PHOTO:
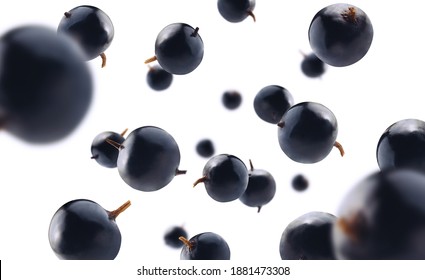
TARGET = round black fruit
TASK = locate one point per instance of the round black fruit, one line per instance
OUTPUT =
(340, 34)
(205, 246)
(45, 85)
(307, 132)
(148, 159)
(205, 148)
(106, 154)
(271, 102)
(236, 10)
(91, 28)
(312, 66)
(299, 182)
(225, 177)
(383, 217)
(231, 99)
(172, 236)
(83, 230)
(260, 190)
(179, 48)
(402, 145)
(158, 79)
(308, 237)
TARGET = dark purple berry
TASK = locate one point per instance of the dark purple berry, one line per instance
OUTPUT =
(83, 230)
(158, 79)
(91, 28)
(340, 34)
(205, 246)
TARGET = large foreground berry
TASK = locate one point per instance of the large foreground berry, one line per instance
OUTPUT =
(383, 217)
(45, 85)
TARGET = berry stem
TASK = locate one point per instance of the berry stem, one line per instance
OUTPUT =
(180, 172)
(103, 56)
(250, 165)
(350, 15)
(186, 242)
(124, 132)
(195, 32)
(117, 145)
(95, 157)
(67, 14)
(200, 180)
(340, 148)
(259, 209)
(251, 14)
(353, 227)
(114, 214)
(149, 60)
(281, 124)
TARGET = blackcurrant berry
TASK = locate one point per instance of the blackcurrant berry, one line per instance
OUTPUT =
(312, 66)
(205, 246)
(260, 190)
(402, 145)
(383, 217)
(46, 87)
(225, 177)
(179, 48)
(300, 183)
(205, 148)
(158, 79)
(148, 159)
(271, 102)
(83, 230)
(105, 153)
(236, 10)
(91, 28)
(308, 237)
(172, 236)
(340, 34)
(307, 132)
(231, 99)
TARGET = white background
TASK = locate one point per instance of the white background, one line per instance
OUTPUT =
(367, 97)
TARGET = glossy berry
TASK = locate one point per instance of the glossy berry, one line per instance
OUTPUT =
(271, 102)
(148, 159)
(307, 132)
(236, 10)
(91, 28)
(225, 177)
(158, 79)
(82, 230)
(402, 145)
(340, 34)
(205, 246)
(312, 66)
(383, 217)
(299, 183)
(260, 190)
(106, 154)
(46, 87)
(172, 235)
(179, 49)
(308, 237)
(205, 148)
(231, 99)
